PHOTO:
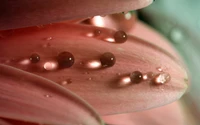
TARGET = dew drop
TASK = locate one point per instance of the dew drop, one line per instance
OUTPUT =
(65, 60)
(148, 75)
(107, 59)
(136, 77)
(47, 45)
(162, 78)
(97, 32)
(120, 37)
(49, 38)
(34, 58)
(65, 82)
(128, 16)
(90, 79)
(118, 73)
(48, 96)
(159, 69)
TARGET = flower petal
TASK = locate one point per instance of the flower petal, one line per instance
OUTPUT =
(23, 13)
(101, 87)
(27, 97)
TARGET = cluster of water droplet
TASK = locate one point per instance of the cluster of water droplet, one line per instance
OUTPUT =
(137, 77)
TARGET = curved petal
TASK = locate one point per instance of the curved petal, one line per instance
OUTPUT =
(27, 97)
(23, 13)
(101, 87)
(171, 114)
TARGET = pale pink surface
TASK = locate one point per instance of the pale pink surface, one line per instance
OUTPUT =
(102, 91)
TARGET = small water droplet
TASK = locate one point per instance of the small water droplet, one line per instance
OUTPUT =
(107, 59)
(47, 45)
(159, 69)
(25, 62)
(162, 78)
(118, 73)
(148, 75)
(34, 58)
(90, 78)
(176, 35)
(120, 37)
(65, 82)
(136, 77)
(86, 73)
(49, 38)
(97, 32)
(65, 60)
(48, 96)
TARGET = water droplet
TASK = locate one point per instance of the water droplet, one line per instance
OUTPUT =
(118, 73)
(24, 62)
(86, 73)
(90, 78)
(162, 78)
(97, 32)
(159, 69)
(50, 66)
(120, 37)
(125, 12)
(47, 45)
(49, 38)
(136, 77)
(111, 40)
(34, 58)
(68, 81)
(148, 75)
(65, 60)
(48, 96)
(107, 59)
(176, 35)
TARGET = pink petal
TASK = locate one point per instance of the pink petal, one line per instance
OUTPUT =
(171, 114)
(100, 87)
(23, 13)
(27, 97)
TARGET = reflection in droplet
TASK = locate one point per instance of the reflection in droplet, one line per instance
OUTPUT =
(50, 65)
(99, 22)
(25, 62)
(128, 16)
(176, 35)
(111, 40)
(124, 81)
(89, 34)
(94, 64)
(162, 78)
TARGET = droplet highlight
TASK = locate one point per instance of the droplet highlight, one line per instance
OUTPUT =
(120, 37)
(49, 66)
(107, 59)
(65, 60)
(34, 58)
(136, 77)
(162, 78)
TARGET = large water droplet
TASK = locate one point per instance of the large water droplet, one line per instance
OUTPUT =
(34, 58)
(107, 59)
(97, 32)
(120, 37)
(136, 77)
(65, 60)
(162, 78)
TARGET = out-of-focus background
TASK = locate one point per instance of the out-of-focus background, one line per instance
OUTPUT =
(179, 21)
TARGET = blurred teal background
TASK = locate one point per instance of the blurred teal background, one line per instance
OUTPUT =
(179, 21)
